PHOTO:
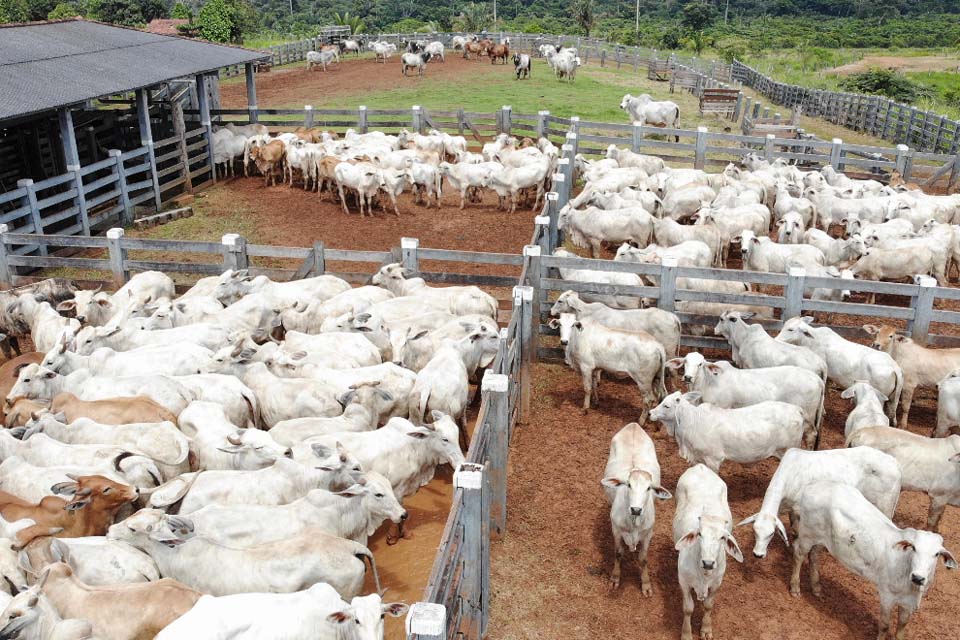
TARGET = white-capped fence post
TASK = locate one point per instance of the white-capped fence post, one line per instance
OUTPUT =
(700, 148)
(362, 118)
(426, 621)
(408, 251)
(6, 275)
(901, 160)
(234, 252)
(495, 388)
(668, 284)
(768, 147)
(637, 137)
(416, 121)
(506, 118)
(543, 232)
(531, 257)
(923, 309)
(203, 101)
(559, 187)
(118, 256)
(793, 293)
(470, 479)
(553, 212)
(543, 120)
(836, 146)
(31, 200)
(573, 141)
(523, 304)
(252, 112)
(308, 116)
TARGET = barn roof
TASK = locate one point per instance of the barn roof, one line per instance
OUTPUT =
(49, 65)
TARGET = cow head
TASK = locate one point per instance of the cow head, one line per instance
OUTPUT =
(765, 526)
(797, 331)
(635, 492)
(883, 336)
(35, 382)
(254, 449)
(924, 549)
(567, 324)
(96, 493)
(728, 319)
(714, 541)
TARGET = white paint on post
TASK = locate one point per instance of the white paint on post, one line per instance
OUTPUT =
(426, 619)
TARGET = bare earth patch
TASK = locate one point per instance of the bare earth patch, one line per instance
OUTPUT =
(918, 63)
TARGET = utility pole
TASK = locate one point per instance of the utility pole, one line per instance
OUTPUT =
(494, 14)
(726, 12)
(638, 17)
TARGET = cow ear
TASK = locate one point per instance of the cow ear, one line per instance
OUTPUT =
(872, 329)
(395, 609)
(904, 545)
(713, 369)
(948, 560)
(612, 483)
(686, 541)
(554, 323)
(733, 549)
(748, 520)
(67, 305)
(807, 319)
(65, 488)
(339, 617)
(661, 494)
(674, 364)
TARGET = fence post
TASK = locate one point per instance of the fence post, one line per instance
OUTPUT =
(542, 120)
(522, 304)
(768, 147)
(308, 116)
(553, 212)
(426, 621)
(793, 293)
(180, 131)
(544, 223)
(736, 110)
(923, 309)
(469, 478)
(901, 160)
(126, 216)
(362, 118)
(6, 277)
(204, 103)
(700, 149)
(668, 284)
(31, 198)
(146, 140)
(836, 146)
(416, 121)
(531, 256)
(559, 186)
(575, 129)
(637, 137)
(253, 115)
(408, 249)
(118, 256)
(319, 259)
(506, 120)
(495, 387)
(234, 247)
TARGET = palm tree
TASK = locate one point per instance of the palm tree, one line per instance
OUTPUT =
(474, 17)
(583, 14)
(345, 19)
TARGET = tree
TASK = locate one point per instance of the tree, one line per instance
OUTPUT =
(583, 14)
(65, 10)
(345, 19)
(14, 11)
(474, 17)
(226, 20)
(697, 16)
(885, 82)
(181, 12)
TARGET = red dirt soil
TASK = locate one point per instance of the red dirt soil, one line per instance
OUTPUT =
(550, 573)
(297, 85)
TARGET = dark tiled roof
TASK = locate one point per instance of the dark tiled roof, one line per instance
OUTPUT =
(48, 65)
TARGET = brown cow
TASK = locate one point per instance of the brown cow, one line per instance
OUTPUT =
(111, 410)
(90, 512)
(501, 51)
(308, 135)
(123, 612)
(269, 159)
(23, 411)
(11, 369)
(478, 48)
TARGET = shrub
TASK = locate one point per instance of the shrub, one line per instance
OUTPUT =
(885, 82)
(181, 12)
(64, 10)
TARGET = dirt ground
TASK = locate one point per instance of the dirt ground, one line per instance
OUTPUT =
(295, 84)
(550, 574)
(908, 63)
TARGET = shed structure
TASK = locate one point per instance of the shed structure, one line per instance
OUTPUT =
(92, 125)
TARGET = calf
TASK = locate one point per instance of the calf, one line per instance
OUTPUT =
(922, 367)
(592, 227)
(364, 178)
(753, 347)
(948, 404)
(724, 386)
(631, 481)
(590, 347)
(269, 160)
(703, 534)
(875, 474)
(711, 435)
(928, 464)
(868, 411)
(122, 612)
(521, 63)
(763, 254)
(94, 504)
(111, 411)
(499, 52)
(416, 61)
(848, 362)
(901, 562)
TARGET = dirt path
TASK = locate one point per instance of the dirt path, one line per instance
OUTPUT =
(550, 572)
(295, 85)
(910, 63)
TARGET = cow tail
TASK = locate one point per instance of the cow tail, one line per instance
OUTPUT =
(660, 380)
(818, 418)
(365, 554)
(895, 400)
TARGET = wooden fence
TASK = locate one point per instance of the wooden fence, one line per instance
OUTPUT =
(875, 115)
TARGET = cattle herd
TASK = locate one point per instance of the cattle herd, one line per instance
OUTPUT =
(770, 401)
(211, 465)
